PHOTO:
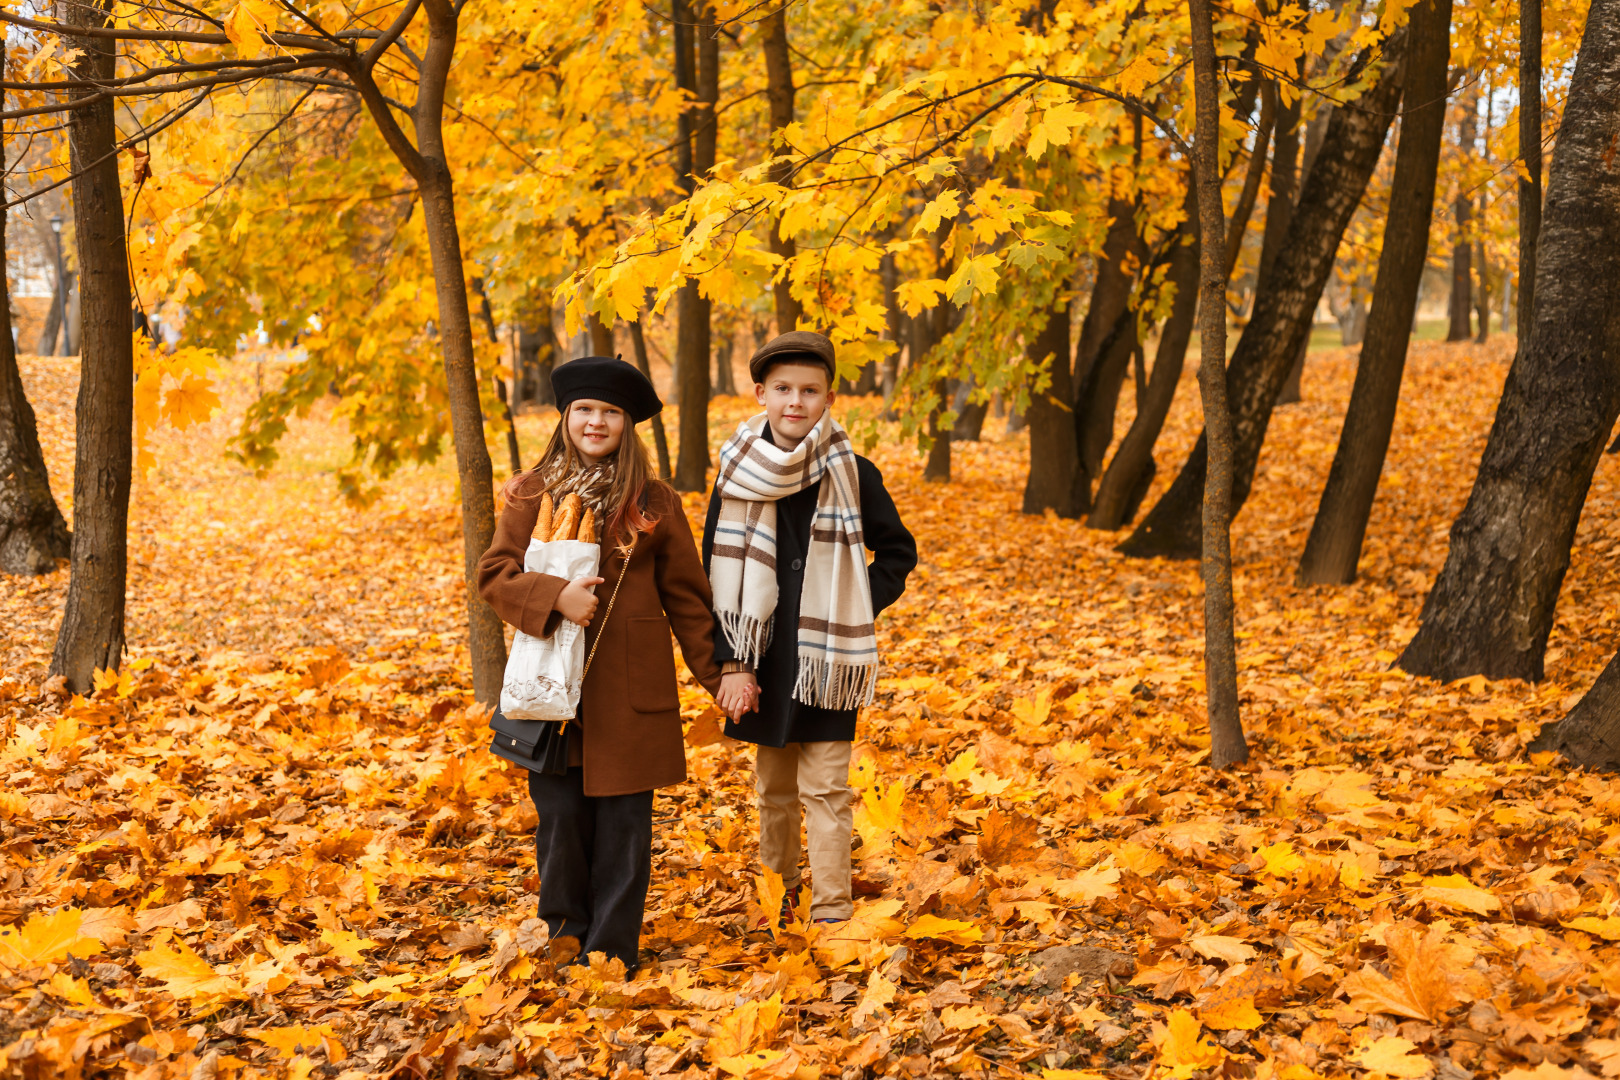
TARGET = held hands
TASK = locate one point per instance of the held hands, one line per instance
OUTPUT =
(739, 694)
(576, 602)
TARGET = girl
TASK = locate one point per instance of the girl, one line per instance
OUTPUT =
(593, 846)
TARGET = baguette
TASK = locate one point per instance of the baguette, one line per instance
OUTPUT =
(542, 527)
(567, 524)
(587, 527)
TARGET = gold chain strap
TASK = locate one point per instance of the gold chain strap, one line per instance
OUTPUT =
(609, 611)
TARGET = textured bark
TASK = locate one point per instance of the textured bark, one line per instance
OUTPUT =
(33, 534)
(1110, 291)
(92, 631)
(1098, 400)
(1461, 308)
(1334, 546)
(1252, 175)
(638, 343)
(601, 336)
(693, 311)
(895, 323)
(1530, 155)
(537, 350)
(779, 92)
(1482, 296)
(486, 313)
(1589, 734)
(1279, 213)
(51, 332)
(1054, 481)
(1492, 606)
(1281, 323)
(1227, 745)
(486, 635)
(1123, 485)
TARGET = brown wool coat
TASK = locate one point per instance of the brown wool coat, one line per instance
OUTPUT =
(629, 708)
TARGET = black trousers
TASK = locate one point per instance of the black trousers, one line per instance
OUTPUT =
(594, 855)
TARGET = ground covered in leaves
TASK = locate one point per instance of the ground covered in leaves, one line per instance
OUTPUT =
(275, 845)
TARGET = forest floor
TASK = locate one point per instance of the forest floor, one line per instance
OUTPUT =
(275, 844)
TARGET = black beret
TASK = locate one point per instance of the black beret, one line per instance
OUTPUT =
(609, 379)
(795, 346)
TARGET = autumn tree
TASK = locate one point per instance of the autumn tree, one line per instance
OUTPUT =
(1227, 744)
(1491, 607)
(1334, 546)
(1284, 303)
(33, 534)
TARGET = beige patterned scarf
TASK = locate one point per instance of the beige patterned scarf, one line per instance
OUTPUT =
(838, 659)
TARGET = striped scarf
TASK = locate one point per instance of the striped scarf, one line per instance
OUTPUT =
(838, 659)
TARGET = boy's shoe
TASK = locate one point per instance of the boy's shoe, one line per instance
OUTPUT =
(790, 900)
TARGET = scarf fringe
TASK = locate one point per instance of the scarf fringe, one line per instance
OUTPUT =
(748, 637)
(831, 684)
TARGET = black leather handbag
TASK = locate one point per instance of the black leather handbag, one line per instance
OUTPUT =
(542, 745)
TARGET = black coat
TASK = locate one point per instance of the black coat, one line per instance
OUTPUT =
(779, 719)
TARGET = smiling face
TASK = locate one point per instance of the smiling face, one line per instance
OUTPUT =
(794, 396)
(595, 428)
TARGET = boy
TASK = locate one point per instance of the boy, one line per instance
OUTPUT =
(792, 507)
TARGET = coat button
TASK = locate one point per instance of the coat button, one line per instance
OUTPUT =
(798, 564)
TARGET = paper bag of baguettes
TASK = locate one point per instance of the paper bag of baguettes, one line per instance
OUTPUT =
(543, 674)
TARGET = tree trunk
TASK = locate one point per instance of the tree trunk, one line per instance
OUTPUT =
(537, 349)
(970, 414)
(1283, 310)
(779, 92)
(601, 336)
(1125, 483)
(1530, 155)
(429, 166)
(72, 343)
(692, 341)
(92, 631)
(1334, 546)
(638, 343)
(1589, 734)
(1279, 213)
(487, 314)
(1098, 399)
(33, 534)
(474, 473)
(52, 329)
(1492, 607)
(1054, 481)
(1461, 308)
(1227, 745)
(889, 274)
(937, 469)
(1482, 303)
(1110, 293)
(1251, 178)
(725, 380)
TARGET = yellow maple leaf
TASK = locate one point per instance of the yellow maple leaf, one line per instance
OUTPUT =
(1392, 1056)
(1184, 1049)
(957, 931)
(1238, 1013)
(185, 974)
(1608, 929)
(46, 939)
(292, 1041)
(1221, 947)
(192, 402)
(1456, 893)
(347, 945)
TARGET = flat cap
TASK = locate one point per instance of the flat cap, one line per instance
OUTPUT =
(609, 379)
(795, 346)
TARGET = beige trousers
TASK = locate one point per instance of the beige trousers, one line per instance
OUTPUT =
(815, 775)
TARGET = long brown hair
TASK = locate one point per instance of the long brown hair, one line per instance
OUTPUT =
(624, 504)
